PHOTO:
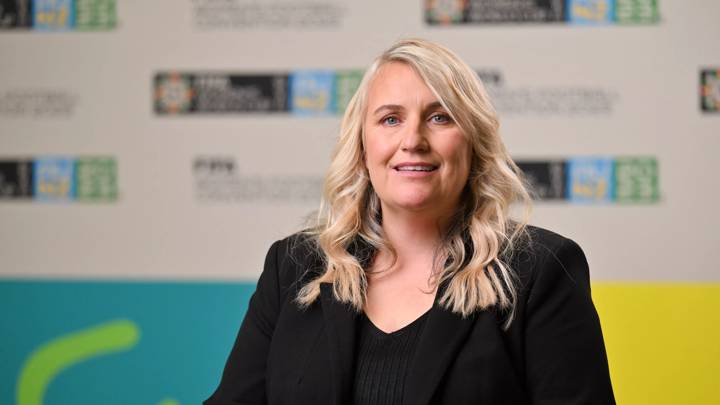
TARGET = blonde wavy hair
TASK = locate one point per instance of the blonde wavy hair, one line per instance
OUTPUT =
(481, 234)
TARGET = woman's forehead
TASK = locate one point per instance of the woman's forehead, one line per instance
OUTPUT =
(397, 83)
(395, 72)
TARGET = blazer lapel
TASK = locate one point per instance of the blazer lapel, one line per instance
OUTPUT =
(340, 325)
(444, 334)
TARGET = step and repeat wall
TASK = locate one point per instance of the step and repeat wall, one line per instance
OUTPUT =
(151, 151)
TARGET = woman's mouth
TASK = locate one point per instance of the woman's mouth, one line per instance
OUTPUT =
(415, 167)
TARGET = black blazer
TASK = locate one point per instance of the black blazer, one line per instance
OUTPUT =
(553, 353)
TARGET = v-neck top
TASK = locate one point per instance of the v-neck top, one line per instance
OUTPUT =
(383, 360)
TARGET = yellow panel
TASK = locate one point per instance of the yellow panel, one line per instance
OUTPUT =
(663, 341)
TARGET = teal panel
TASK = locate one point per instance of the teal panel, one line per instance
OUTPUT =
(116, 342)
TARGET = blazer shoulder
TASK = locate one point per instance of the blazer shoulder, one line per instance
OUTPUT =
(544, 238)
(544, 253)
(298, 259)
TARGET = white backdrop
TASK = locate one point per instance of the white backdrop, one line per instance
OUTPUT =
(158, 229)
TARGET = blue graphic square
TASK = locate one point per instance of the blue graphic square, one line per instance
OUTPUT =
(590, 180)
(53, 15)
(590, 12)
(312, 92)
(54, 179)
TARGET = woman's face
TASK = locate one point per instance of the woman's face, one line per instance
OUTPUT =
(417, 157)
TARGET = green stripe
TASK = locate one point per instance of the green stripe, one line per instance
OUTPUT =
(52, 358)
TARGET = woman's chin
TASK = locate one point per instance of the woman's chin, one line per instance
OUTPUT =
(414, 205)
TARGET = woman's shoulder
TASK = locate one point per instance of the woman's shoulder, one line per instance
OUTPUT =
(298, 244)
(542, 253)
(296, 257)
(545, 239)
(536, 242)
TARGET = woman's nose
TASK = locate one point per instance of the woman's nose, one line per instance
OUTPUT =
(415, 138)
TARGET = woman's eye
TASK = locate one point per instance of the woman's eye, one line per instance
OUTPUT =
(440, 118)
(391, 120)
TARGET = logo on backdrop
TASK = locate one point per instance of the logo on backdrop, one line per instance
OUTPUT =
(59, 179)
(346, 83)
(325, 92)
(95, 179)
(37, 103)
(53, 15)
(173, 93)
(304, 93)
(493, 11)
(223, 93)
(54, 179)
(16, 179)
(547, 179)
(95, 14)
(179, 93)
(546, 100)
(636, 11)
(446, 11)
(590, 180)
(612, 11)
(490, 77)
(276, 14)
(443, 12)
(636, 179)
(312, 92)
(58, 15)
(591, 11)
(217, 179)
(586, 179)
(15, 14)
(710, 90)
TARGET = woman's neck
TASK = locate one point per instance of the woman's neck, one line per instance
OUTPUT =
(414, 236)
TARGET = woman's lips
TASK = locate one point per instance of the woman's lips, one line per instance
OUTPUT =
(415, 169)
(415, 166)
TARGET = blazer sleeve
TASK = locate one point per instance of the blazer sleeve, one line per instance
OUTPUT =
(243, 379)
(565, 353)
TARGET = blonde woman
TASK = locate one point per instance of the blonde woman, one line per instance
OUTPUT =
(414, 286)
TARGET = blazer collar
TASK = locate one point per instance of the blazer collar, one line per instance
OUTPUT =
(442, 338)
(340, 321)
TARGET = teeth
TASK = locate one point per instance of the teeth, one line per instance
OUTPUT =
(416, 168)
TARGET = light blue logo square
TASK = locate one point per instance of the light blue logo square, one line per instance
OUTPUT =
(590, 180)
(53, 15)
(54, 179)
(312, 92)
(590, 12)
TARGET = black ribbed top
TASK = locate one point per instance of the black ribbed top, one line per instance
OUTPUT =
(383, 360)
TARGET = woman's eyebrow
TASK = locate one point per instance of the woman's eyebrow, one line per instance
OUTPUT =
(391, 107)
(396, 107)
(433, 106)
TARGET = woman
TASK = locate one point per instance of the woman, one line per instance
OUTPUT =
(415, 286)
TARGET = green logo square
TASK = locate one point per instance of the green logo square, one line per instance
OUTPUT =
(637, 11)
(95, 14)
(636, 180)
(346, 83)
(96, 179)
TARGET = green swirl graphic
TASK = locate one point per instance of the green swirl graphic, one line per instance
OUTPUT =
(52, 358)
